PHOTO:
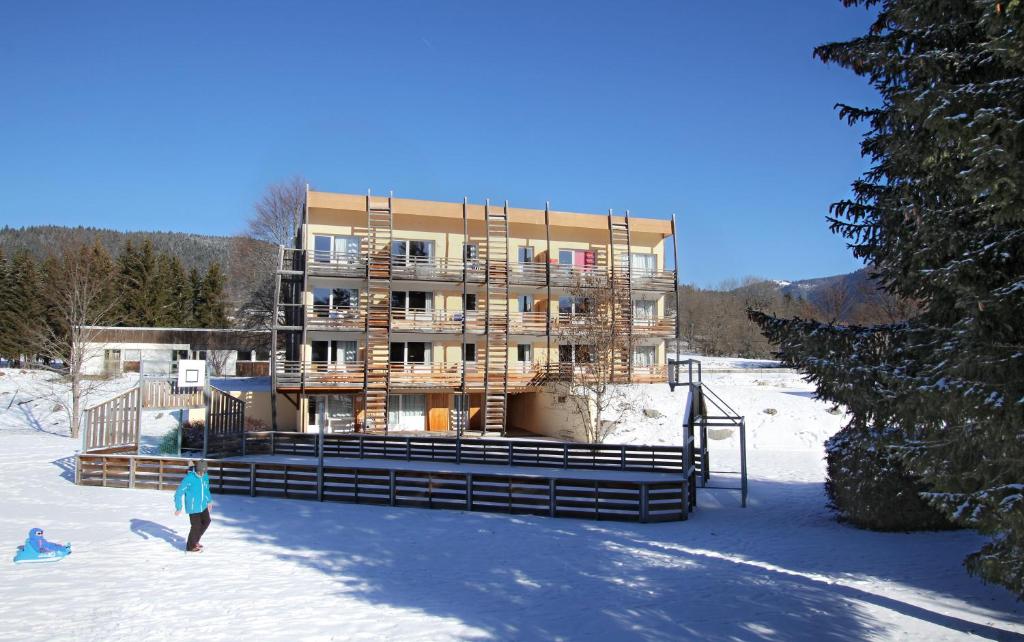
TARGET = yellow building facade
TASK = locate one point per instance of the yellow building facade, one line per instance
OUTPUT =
(408, 315)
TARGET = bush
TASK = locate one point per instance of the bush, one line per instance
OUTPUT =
(253, 424)
(192, 435)
(169, 443)
(869, 487)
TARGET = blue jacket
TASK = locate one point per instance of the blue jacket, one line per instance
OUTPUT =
(196, 492)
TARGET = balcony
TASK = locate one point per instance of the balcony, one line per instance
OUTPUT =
(335, 375)
(338, 264)
(415, 268)
(652, 280)
(527, 273)
(349, 376)
(442, 321)
(535, 323)
(325, 317)
(587, 276)
(654, 326)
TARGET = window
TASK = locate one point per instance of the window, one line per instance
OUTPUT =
(409, 352)
(470, 302)
(524, 353)
(411, 252)
(580, 258)
(470, 251)
(322, 248)
(575, 354)
(333, 352)
(573, 305)
(408, 412)
(470, 349)
(644, 356)
(335, 249)
(526, 303)
(525, 254)
(341, 414)
(327, 301)
(643, 264)
(412, 301)
(643, 311)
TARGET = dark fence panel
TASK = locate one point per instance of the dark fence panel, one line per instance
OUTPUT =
(499, 452)
(623, 500)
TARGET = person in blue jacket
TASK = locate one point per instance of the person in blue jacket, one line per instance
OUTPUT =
(195, 490)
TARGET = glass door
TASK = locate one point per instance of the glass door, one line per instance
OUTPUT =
(408, 412)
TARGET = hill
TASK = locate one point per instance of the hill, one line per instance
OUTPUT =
(194, 250)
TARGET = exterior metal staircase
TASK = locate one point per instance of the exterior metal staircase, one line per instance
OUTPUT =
(496, 356)
(378, 315)
(622, 297)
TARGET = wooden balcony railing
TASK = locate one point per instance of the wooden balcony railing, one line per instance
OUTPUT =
(326, 317)
(336, 264)
(528, 323)
(578, 275)
(450, 269)
(342, 375)
(445, 321)
(653, 280)
(527, 273)
(411, 375)
(349, 376)
(415, 268)
(654, 326)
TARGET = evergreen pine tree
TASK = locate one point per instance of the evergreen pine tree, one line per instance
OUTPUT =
(177, 292)
(128, 279)
(25, 311)
(212, 303)
(6, 310)
(940, 216)
(195, 291)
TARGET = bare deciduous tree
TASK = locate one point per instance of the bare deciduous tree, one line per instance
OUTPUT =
(80, 299)
(588, 348)
(277, 215)
(275, 221)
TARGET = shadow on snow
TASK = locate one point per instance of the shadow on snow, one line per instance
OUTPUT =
(766, 572)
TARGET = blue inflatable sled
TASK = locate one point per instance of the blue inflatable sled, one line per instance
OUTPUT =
(37, 549)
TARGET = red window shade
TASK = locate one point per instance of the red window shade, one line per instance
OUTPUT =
(589, 258)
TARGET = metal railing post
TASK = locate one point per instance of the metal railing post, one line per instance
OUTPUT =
(743, 463)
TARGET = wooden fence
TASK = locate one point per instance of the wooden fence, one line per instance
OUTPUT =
(547, 495)
(163, 393)
(501, 452)
(225, 419)
(113, 426)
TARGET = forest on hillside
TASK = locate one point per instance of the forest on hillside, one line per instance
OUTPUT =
(714, 322)
(139, 287)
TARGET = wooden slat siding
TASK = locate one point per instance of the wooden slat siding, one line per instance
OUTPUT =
(519, 494)
(160, 393)
(113, 425)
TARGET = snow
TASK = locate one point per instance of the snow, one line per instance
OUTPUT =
(781, 569)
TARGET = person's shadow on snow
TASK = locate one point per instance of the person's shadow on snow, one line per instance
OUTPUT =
(147, 529)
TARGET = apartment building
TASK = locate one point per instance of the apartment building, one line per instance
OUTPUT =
(408, 315)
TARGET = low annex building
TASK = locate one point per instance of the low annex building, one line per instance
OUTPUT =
(230, 352)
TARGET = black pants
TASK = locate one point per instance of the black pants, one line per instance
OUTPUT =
(200, 522)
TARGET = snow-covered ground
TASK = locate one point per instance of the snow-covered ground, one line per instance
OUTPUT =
(781, 569)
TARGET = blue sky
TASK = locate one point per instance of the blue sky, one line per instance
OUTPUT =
(176, 115)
